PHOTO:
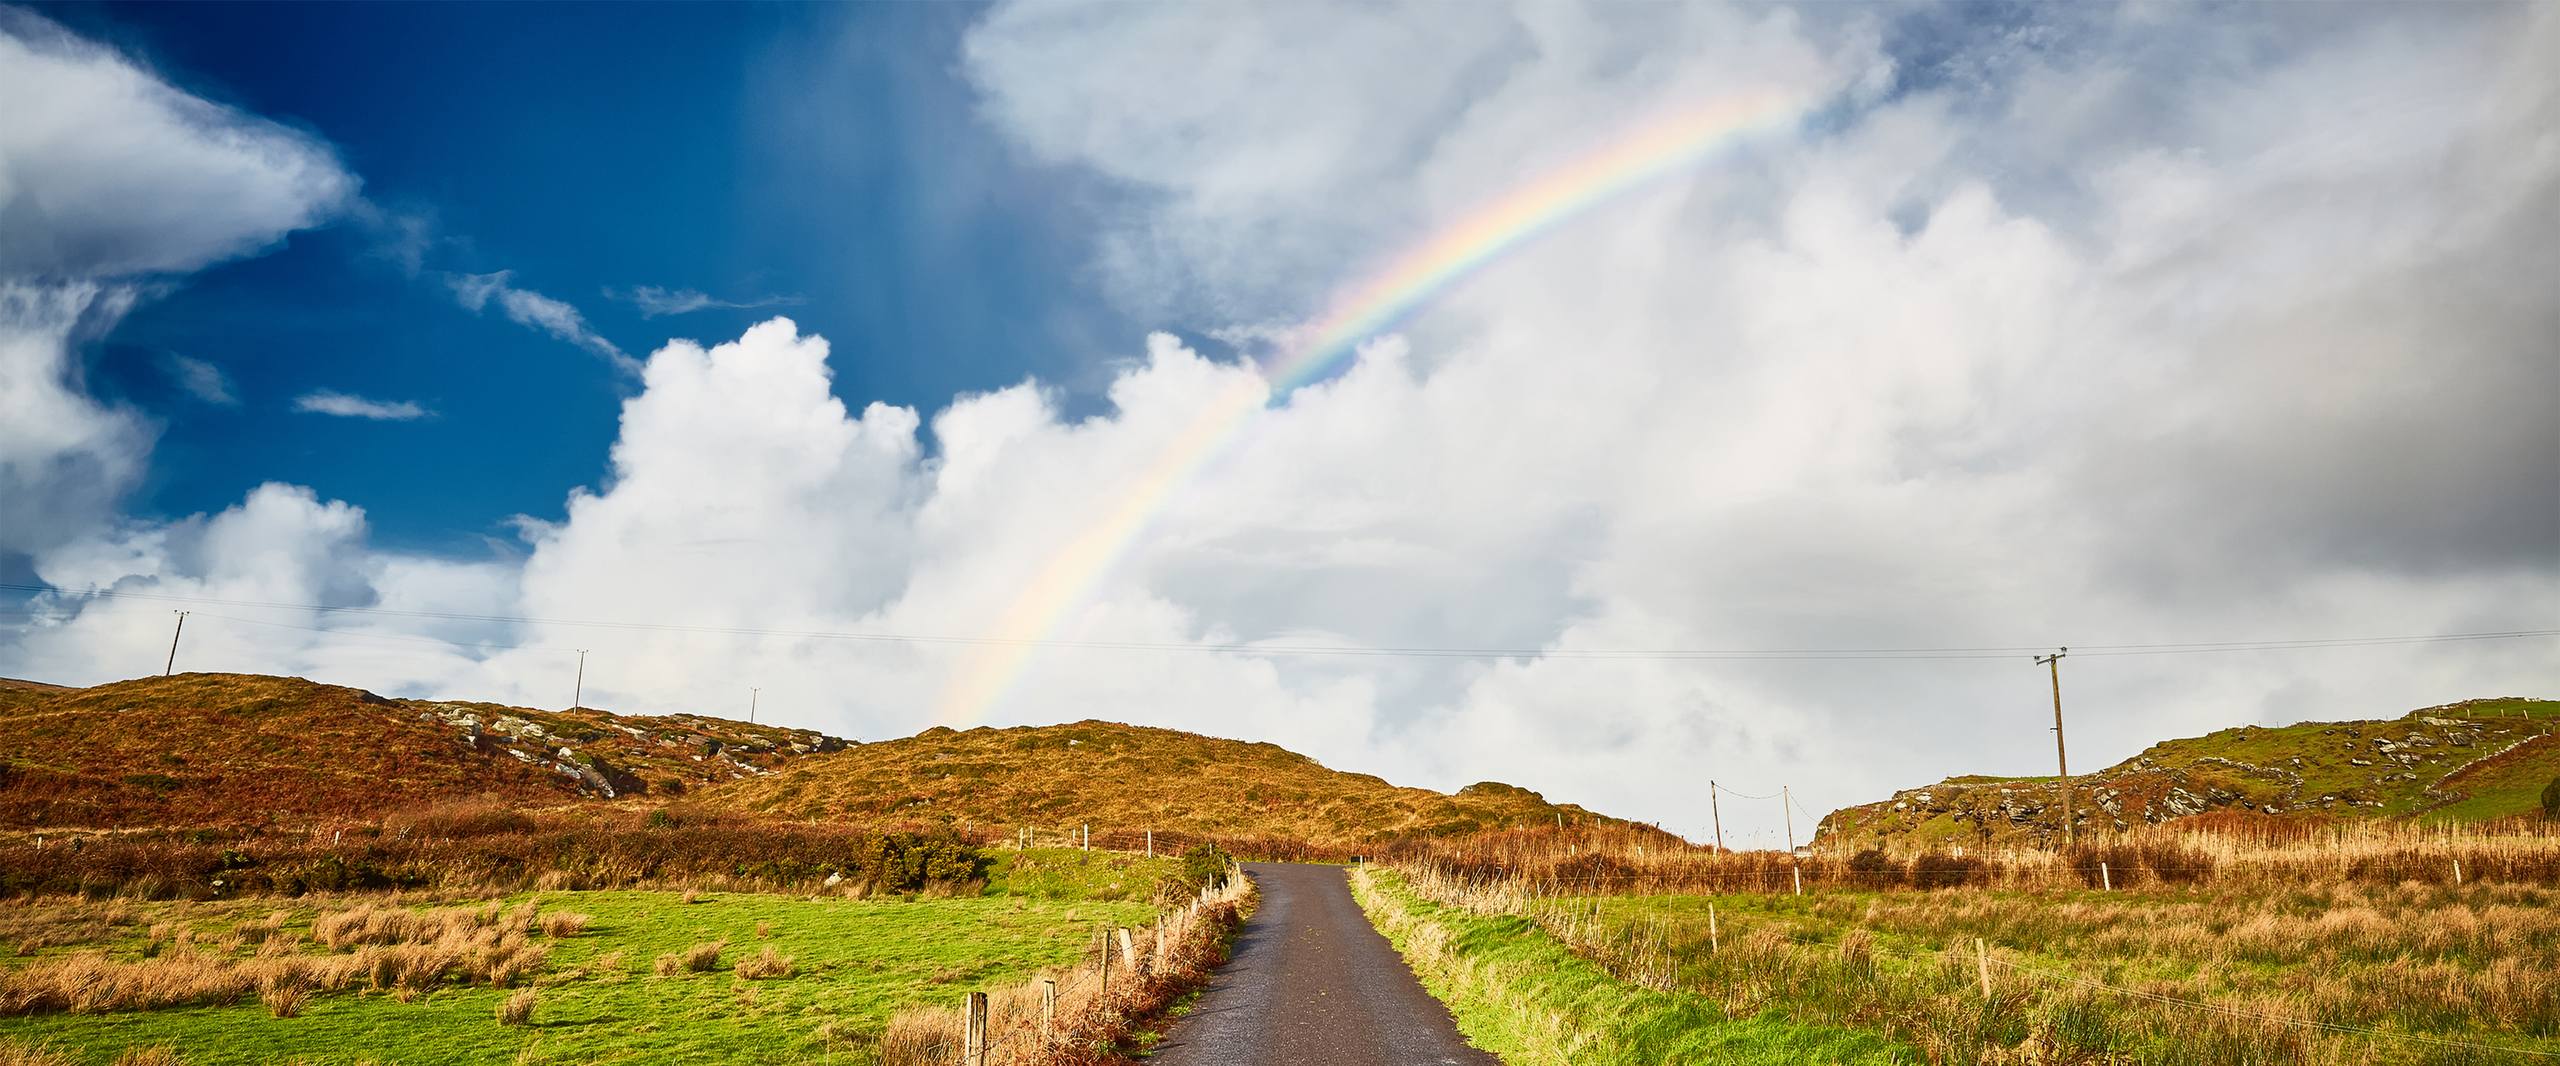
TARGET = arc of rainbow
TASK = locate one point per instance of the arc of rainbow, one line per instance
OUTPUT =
(1654, 151)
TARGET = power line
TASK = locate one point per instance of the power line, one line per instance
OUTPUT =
(1656, 654)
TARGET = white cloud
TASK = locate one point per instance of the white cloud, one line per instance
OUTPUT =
(654, 301)
(533, 310)
(202, 380)
(347, 405)
(107, 170)
(2142, 339)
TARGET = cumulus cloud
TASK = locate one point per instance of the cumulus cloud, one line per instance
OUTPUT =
(533, 310)
(654, 301)
(107, 170)
(2134, 326)
(202, 380)
(348, 405)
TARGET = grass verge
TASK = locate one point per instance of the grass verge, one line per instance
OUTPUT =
(1522, 995)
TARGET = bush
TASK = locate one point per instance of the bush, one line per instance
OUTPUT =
(1936, 870)
(1206, 865)
(1873, 868)
(2551, 799)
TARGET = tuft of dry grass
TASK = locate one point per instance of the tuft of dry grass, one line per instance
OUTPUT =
(285, 1000)
(700, 958)
(765, 964)
(517, 1009)
(561, 925)
(155, 1055)
(16, 1053)
(764, 930)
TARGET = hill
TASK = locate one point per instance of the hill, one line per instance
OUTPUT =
(2467, 761)
(238, 749)
(1124, 779)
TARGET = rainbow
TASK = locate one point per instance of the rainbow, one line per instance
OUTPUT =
(1662, 148)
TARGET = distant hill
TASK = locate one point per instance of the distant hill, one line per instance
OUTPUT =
(240, 749)
(2468, 761)
(1124, 779)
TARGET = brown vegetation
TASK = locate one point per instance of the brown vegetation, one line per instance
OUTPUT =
(765, 965)
(516, 1009)
(451, 847)
(2227, 849)
(239, 749)
(1126, 779)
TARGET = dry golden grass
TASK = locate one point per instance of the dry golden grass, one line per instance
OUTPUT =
(15, 1053)
(700, 958)
(516, 1009)
(154, 1055)
(285, 1000)
(764, 965)
(376, 946)
(561, 925)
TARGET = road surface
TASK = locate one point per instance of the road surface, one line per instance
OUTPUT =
(1311, 982)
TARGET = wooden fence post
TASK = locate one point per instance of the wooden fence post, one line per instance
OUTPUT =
(1048, 1010)
(2457, 871)
(973, 1041)
(1982, 961)
(1799, 872)
(1151, 843)
(1160, 949)
(1128, 952)
(1087, 830)
(2106, 881)
(1715, 940)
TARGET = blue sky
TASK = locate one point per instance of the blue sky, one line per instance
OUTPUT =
(828, 155)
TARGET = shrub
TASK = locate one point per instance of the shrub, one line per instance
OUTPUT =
(1873, 868)
(516, 1009)
(2551, 799)
(1206, 864)
(1936, 870)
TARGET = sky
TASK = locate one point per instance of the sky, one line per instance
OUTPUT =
(1602, 399)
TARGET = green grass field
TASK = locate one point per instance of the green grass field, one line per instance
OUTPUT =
(855, 963)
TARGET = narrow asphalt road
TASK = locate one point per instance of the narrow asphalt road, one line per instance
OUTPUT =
(1311, 982)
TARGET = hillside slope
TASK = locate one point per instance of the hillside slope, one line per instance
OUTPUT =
(1124, 779)
(2473, 760)
(239, 749)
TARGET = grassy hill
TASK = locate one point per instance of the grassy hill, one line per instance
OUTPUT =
(2468, 761)
(1124, 779)
(237, 749)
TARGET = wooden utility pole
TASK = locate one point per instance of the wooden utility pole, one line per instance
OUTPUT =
(172, 664)
(1717, 812)
(2061, 761)
(579, 699)
(752, 695)
(1787, 806)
